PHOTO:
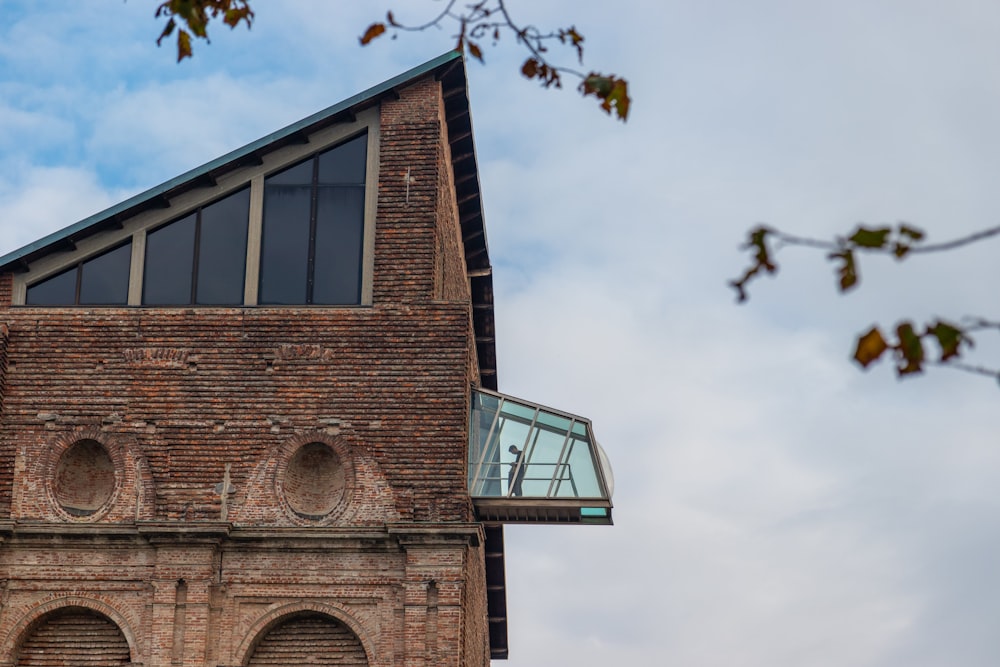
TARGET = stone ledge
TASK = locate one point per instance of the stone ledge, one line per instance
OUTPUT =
(436, 533)
(187, 532)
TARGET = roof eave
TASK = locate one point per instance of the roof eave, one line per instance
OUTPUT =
(468, 196)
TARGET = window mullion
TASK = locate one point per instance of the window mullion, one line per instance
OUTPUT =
(137, 269)
(194, 261)
(313, 206)
(79, 282)
(255, 230)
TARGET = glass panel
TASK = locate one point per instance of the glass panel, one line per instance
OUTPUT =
(545, 470)
(169, 264)
(529, 452)
(515, 458)
(517, 411)
(299, 174)
(484, 451)
(512, 434)
(340, 220)
(59, 290)
(285, 244)
(222, 250)
(553, 421)
(104, 279)
(345, 164)
(581, 473)
(593, 512)
(336, 224)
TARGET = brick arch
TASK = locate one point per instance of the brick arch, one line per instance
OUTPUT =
(369, 498)
(132, 475)
(37, 614)
(287, 448)
(275, 617)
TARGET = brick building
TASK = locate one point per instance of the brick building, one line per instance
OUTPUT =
(249, 417)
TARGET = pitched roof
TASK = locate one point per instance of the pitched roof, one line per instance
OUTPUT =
(449, 69)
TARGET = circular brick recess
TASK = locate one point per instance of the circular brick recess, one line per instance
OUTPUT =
(314, 481)
(85, 478)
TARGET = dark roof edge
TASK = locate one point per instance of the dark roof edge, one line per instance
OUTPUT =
(468, 194)
(373, 93)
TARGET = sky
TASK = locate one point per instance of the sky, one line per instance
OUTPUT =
(774, 505)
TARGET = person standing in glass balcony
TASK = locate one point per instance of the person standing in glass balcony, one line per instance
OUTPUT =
(517, 469)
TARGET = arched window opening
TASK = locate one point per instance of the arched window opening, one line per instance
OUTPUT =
(312, 639)
(74, 636)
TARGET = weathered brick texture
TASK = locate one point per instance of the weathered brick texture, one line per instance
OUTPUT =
(182, 401)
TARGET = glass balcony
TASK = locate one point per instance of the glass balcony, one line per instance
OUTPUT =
(532, 464)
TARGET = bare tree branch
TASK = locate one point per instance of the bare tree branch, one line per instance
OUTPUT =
(958, 243)
(489, 20)
(905, 343)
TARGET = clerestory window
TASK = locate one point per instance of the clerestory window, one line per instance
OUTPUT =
(311, 245)
(201, 258)
(295, 230)
(99, 281)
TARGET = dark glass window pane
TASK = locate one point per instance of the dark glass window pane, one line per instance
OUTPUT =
(222, 250)
(169, 259)
(105, 278)
(59, 290)
(332, 211)
(300, 174)
(345, 164)
(340, 216)
(285, 244)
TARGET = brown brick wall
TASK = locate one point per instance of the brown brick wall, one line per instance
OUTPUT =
(475, 620)
(404, 240)
(6, 289)
(196, 389)
(406, 598)
(451, 281)
(6, 453)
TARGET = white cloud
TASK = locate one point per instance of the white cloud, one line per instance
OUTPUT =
(41, 200)
(775, 506)
(160, 130)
